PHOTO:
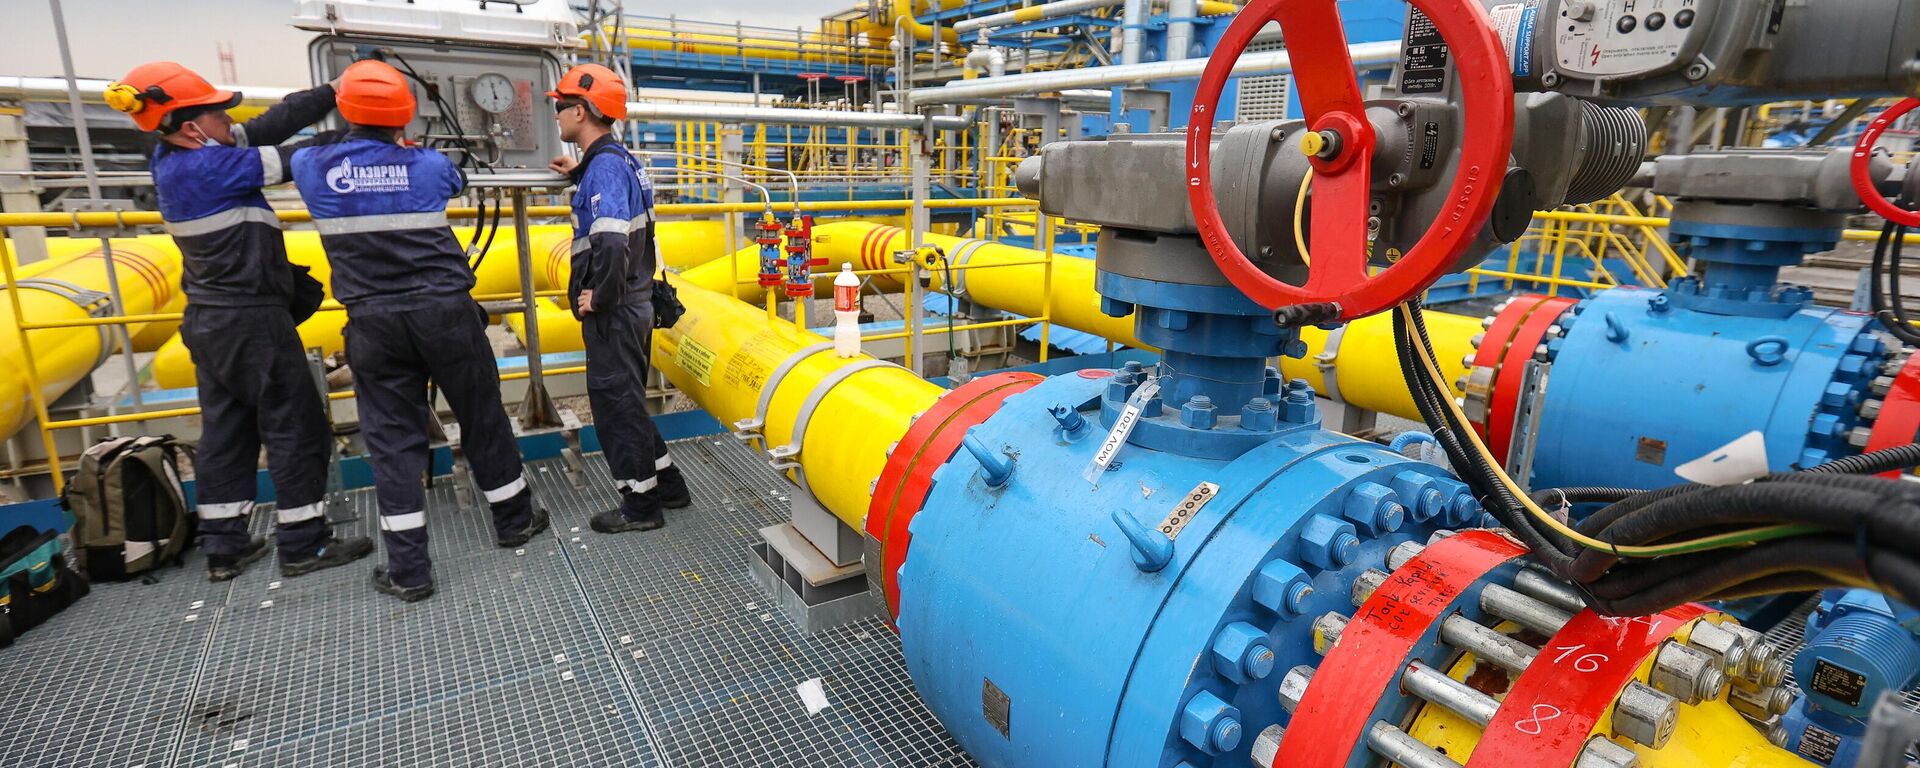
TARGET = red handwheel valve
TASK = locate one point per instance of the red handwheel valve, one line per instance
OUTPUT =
(1863, 161)
(1341, 141)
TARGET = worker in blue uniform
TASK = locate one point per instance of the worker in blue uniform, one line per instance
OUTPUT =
(380, 207)
(612, 288)
(244, 300)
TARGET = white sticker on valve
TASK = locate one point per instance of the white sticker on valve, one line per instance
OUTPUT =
(1737, 462)
(1514, 23)
(1122, 427)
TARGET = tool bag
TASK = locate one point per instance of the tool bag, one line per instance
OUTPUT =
(35, 582)
(130, 512)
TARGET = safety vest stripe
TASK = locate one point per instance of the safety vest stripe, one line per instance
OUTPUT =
(385, 222)
(663, 462)
(231, 217)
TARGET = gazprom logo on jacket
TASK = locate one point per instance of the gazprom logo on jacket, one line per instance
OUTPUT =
(348, 178)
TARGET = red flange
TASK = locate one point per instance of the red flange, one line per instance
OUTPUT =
(928, 444)
(1333, 715)
(1331, 100)
(1863, 160)
(1506, 347)
(1551, 709)
(1899, 420)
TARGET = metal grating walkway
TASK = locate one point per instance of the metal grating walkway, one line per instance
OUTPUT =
(644, 649)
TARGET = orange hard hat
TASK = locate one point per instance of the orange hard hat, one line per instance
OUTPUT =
(374, 93)
(157, 89)
(596, 85)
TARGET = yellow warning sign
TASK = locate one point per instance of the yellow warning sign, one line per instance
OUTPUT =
(695, 359)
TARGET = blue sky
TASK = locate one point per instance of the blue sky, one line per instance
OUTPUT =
(111, 36)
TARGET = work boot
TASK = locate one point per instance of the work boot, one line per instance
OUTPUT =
(672, 492)
(637, 512)
(535, 525)
(226, 567)
(409, 594)
(333, 552)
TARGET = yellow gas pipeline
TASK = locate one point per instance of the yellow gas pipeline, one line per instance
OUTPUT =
(149, 283)
(1002, 277)
(722, 353)
(498, 274)
(1365, 368)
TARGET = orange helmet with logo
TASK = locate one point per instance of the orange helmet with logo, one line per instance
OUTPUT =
(157, 90)
(598, 86)
(374, 93)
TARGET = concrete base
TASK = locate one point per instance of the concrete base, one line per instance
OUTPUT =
(813, 592)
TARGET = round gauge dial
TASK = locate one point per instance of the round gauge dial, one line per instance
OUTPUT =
(493, 92)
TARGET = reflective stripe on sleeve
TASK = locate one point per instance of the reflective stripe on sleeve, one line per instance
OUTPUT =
(665, 460)
(271, 172)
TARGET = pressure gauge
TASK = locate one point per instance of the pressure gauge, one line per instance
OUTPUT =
(493, 92)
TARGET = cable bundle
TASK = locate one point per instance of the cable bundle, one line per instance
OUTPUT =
(1648, 551)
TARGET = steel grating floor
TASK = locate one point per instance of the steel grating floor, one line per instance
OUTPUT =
(647, 649)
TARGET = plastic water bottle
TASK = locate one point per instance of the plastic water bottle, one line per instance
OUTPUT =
(846, 312)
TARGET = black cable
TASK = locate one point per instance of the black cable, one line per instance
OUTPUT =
(499, 202)
(1676, 580)
(469, 157)
(1582, 494)
(1901, 457)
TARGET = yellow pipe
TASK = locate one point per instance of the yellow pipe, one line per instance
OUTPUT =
(722, 353)
(149, 281)
(904, 10)
(707, 44)
(499, 274)
(999, 276)
(1366, 369)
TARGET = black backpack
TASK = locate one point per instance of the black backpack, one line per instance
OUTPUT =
(130, 512)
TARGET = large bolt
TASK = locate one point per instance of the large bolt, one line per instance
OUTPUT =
(1777, 735)
(1487, 322)
(1774, 671)
(1871, 409)
(1525, 611)
(1328, 543)
(1397, 746)
(1209, 724)
(1860, 437)
(1645, 716)
(1258, 415)
(1726, 646)
(1402, 553)
(1241, 653)
(1760, 704)
(1375, 508)
(1326, 631)
(1463, 509)
(1199, 413)
(1602, 752)
(1299, 406)
(1457, 697)
(1486, 645)
(1687, 674)
(1266, 746)
(1283, 588)
(1072, 424)
(1549, 590)
(1420, 494)
(1293, 687)
(1368, 583)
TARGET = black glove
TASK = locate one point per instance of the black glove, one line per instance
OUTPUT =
(307, 294)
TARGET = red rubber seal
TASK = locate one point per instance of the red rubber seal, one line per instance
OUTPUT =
(1331, 100)
(927, 445)
(1899, 420)
(1550, 712)
(1525, 323)
(1863, 157)
(1332, 718)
